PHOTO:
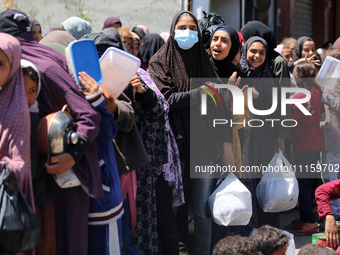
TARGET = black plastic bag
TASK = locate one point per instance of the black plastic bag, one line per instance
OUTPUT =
(19, 227)
(209, 20)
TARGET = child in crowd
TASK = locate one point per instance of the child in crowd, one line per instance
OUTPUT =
(285, 51)
(234, 245)
(310, 249)
(42, 192)
(270, 241)
(127, 38)
(105, 233)
(307, 142)
(290, 41)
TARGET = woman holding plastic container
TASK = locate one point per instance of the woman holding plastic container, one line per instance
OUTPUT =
(181, 58)
(58, 88)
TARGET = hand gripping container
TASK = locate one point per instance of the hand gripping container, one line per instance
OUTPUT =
(329, 73)
(117, 67)
(82, 56)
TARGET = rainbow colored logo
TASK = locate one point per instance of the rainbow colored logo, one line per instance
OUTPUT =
(211, 95)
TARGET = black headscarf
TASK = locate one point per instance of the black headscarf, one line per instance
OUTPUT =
(257, 28)
(109, 37)
(151, 44)
(225, 68)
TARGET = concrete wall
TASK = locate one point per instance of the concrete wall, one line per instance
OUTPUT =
(155, 14)
(229, 10)
(198, 6)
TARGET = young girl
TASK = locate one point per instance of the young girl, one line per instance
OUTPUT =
(308, 142)
(285, 51)
(14, 116)
(224, 48)
(305, 50)
(105, 213)
(42, 192)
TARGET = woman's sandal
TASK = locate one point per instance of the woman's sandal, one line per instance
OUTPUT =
(303, 230)
(294, 225)
(181, 246)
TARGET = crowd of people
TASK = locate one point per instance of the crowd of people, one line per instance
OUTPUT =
(124, 186)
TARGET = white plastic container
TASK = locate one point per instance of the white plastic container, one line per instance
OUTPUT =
(82, 56)
(117, 67)
(329, 73)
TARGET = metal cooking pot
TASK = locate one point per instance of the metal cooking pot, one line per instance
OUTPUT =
(55, 133)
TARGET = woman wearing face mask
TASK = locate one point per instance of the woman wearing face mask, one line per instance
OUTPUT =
(181, 58)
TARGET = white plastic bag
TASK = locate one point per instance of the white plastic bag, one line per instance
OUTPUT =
(230, 204)
(291, 244)
(278, 188)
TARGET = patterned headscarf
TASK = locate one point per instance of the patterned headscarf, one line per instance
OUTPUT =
(263, 86)
(14, 119)
(171, 68)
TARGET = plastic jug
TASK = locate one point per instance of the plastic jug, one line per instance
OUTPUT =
(329, 73)
(117, 67)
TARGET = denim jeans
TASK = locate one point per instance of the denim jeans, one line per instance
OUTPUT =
(201, 190)
(332, 159)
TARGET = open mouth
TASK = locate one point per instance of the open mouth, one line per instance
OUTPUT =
(216, 52)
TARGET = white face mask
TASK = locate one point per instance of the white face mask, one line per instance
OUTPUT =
(186, 38)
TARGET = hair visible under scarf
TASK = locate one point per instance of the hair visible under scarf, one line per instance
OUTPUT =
(14, 120)
(77, 27)
(225, 68)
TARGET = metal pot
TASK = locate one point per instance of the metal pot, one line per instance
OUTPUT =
(55, 133)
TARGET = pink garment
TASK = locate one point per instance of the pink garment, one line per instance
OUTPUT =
(240, 37)
(128, 182)
(14, 120)
(279, 48)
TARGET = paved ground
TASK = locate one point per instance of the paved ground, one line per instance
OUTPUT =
(285, 219)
